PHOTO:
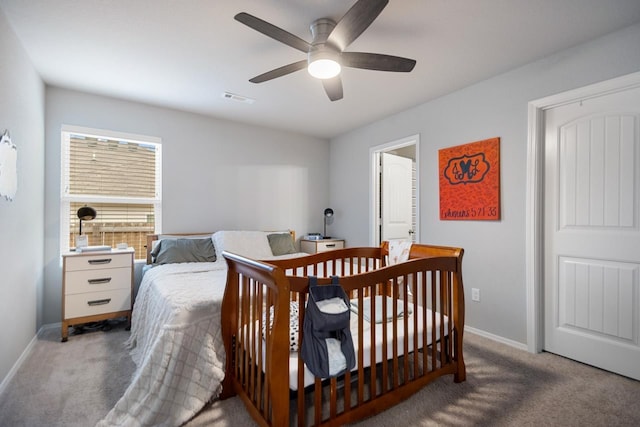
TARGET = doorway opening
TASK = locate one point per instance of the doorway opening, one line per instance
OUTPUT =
(394, 190)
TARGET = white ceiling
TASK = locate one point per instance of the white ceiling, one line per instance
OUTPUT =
(185, 54)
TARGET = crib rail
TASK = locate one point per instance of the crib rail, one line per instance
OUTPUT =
(340, 262)
(414, 349)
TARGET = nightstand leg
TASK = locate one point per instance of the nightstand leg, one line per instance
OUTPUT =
(65, 331)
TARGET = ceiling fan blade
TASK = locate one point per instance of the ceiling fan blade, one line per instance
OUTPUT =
(377, 61)
(333, 87)
(279, 72)
(272, 31)
(355, 21)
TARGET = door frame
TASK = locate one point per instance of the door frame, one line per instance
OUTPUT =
(534, 250)
(374, 183)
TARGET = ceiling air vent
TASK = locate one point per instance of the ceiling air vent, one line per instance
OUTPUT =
(239, 98)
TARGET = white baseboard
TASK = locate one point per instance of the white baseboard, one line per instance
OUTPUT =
(24, 355)
(50, 326)
(511, 343)
(19, 362)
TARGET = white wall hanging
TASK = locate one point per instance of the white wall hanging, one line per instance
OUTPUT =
(8, 167)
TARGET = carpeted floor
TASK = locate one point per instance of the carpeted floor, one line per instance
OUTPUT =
(76, 383)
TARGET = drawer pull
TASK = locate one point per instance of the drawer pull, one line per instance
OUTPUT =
(100, 261)
(99, 302)
(99, 281)
(332, 245)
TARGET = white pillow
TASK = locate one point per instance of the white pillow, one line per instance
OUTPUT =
(252, 244)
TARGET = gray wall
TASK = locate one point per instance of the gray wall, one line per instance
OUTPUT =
(21, 234)
(217, 174)
(494, 258)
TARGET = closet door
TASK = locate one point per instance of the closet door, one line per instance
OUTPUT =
(592, 233)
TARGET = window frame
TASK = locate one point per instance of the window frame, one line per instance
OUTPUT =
(66, 199)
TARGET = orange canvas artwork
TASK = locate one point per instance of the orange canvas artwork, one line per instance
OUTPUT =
(470, 181)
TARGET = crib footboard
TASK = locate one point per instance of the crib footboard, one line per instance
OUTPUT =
(255, 309)
(407, 323)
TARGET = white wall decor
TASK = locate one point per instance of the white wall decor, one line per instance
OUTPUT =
(8, 167)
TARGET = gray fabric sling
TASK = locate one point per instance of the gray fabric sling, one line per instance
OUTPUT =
(318, 326)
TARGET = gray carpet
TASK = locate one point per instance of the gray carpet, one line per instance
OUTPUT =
(76, 383)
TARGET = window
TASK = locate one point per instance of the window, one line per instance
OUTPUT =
(120, 177)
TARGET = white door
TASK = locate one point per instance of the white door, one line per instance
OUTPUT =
(397, 189)
(592, 233)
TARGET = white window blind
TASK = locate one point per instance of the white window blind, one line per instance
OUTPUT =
(105, 167)
(117, 175)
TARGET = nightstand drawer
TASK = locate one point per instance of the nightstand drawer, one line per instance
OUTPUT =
(88, 304)
(98, 261)
(329, 246)
(317, 246)
(105, 279)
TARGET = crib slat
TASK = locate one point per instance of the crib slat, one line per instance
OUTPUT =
(443, 305)
(265, 301)
(245, 359)
(301, 401)
(253, 345)
(414, 308)
(318, 402)
(347, 392)
(360, 355)
(250, 349)
(434, 305)
(394, 336)
(450, 310)
(259, 305)
(374, 356)
(405, 339)
(333, 397)
(385, 355)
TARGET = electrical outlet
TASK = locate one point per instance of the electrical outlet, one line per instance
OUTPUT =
(475, 294)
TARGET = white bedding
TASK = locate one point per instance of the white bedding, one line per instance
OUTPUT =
(176, 344)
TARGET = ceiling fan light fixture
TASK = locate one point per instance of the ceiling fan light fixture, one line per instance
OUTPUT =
(323, 64)
(324, 68)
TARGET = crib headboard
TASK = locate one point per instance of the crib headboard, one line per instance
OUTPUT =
(427, 251)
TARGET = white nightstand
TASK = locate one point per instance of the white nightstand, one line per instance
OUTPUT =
(96, 286)
(316, 246)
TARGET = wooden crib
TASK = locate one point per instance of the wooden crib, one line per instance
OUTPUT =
(418, 339)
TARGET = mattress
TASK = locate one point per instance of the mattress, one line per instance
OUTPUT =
(419, 312)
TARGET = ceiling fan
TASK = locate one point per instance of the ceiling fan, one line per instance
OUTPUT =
(325, 54)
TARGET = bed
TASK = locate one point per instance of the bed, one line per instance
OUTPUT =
(175, 340)
(414, 338)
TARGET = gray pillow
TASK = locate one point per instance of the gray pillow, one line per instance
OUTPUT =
(281, 243)
(172, 251)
